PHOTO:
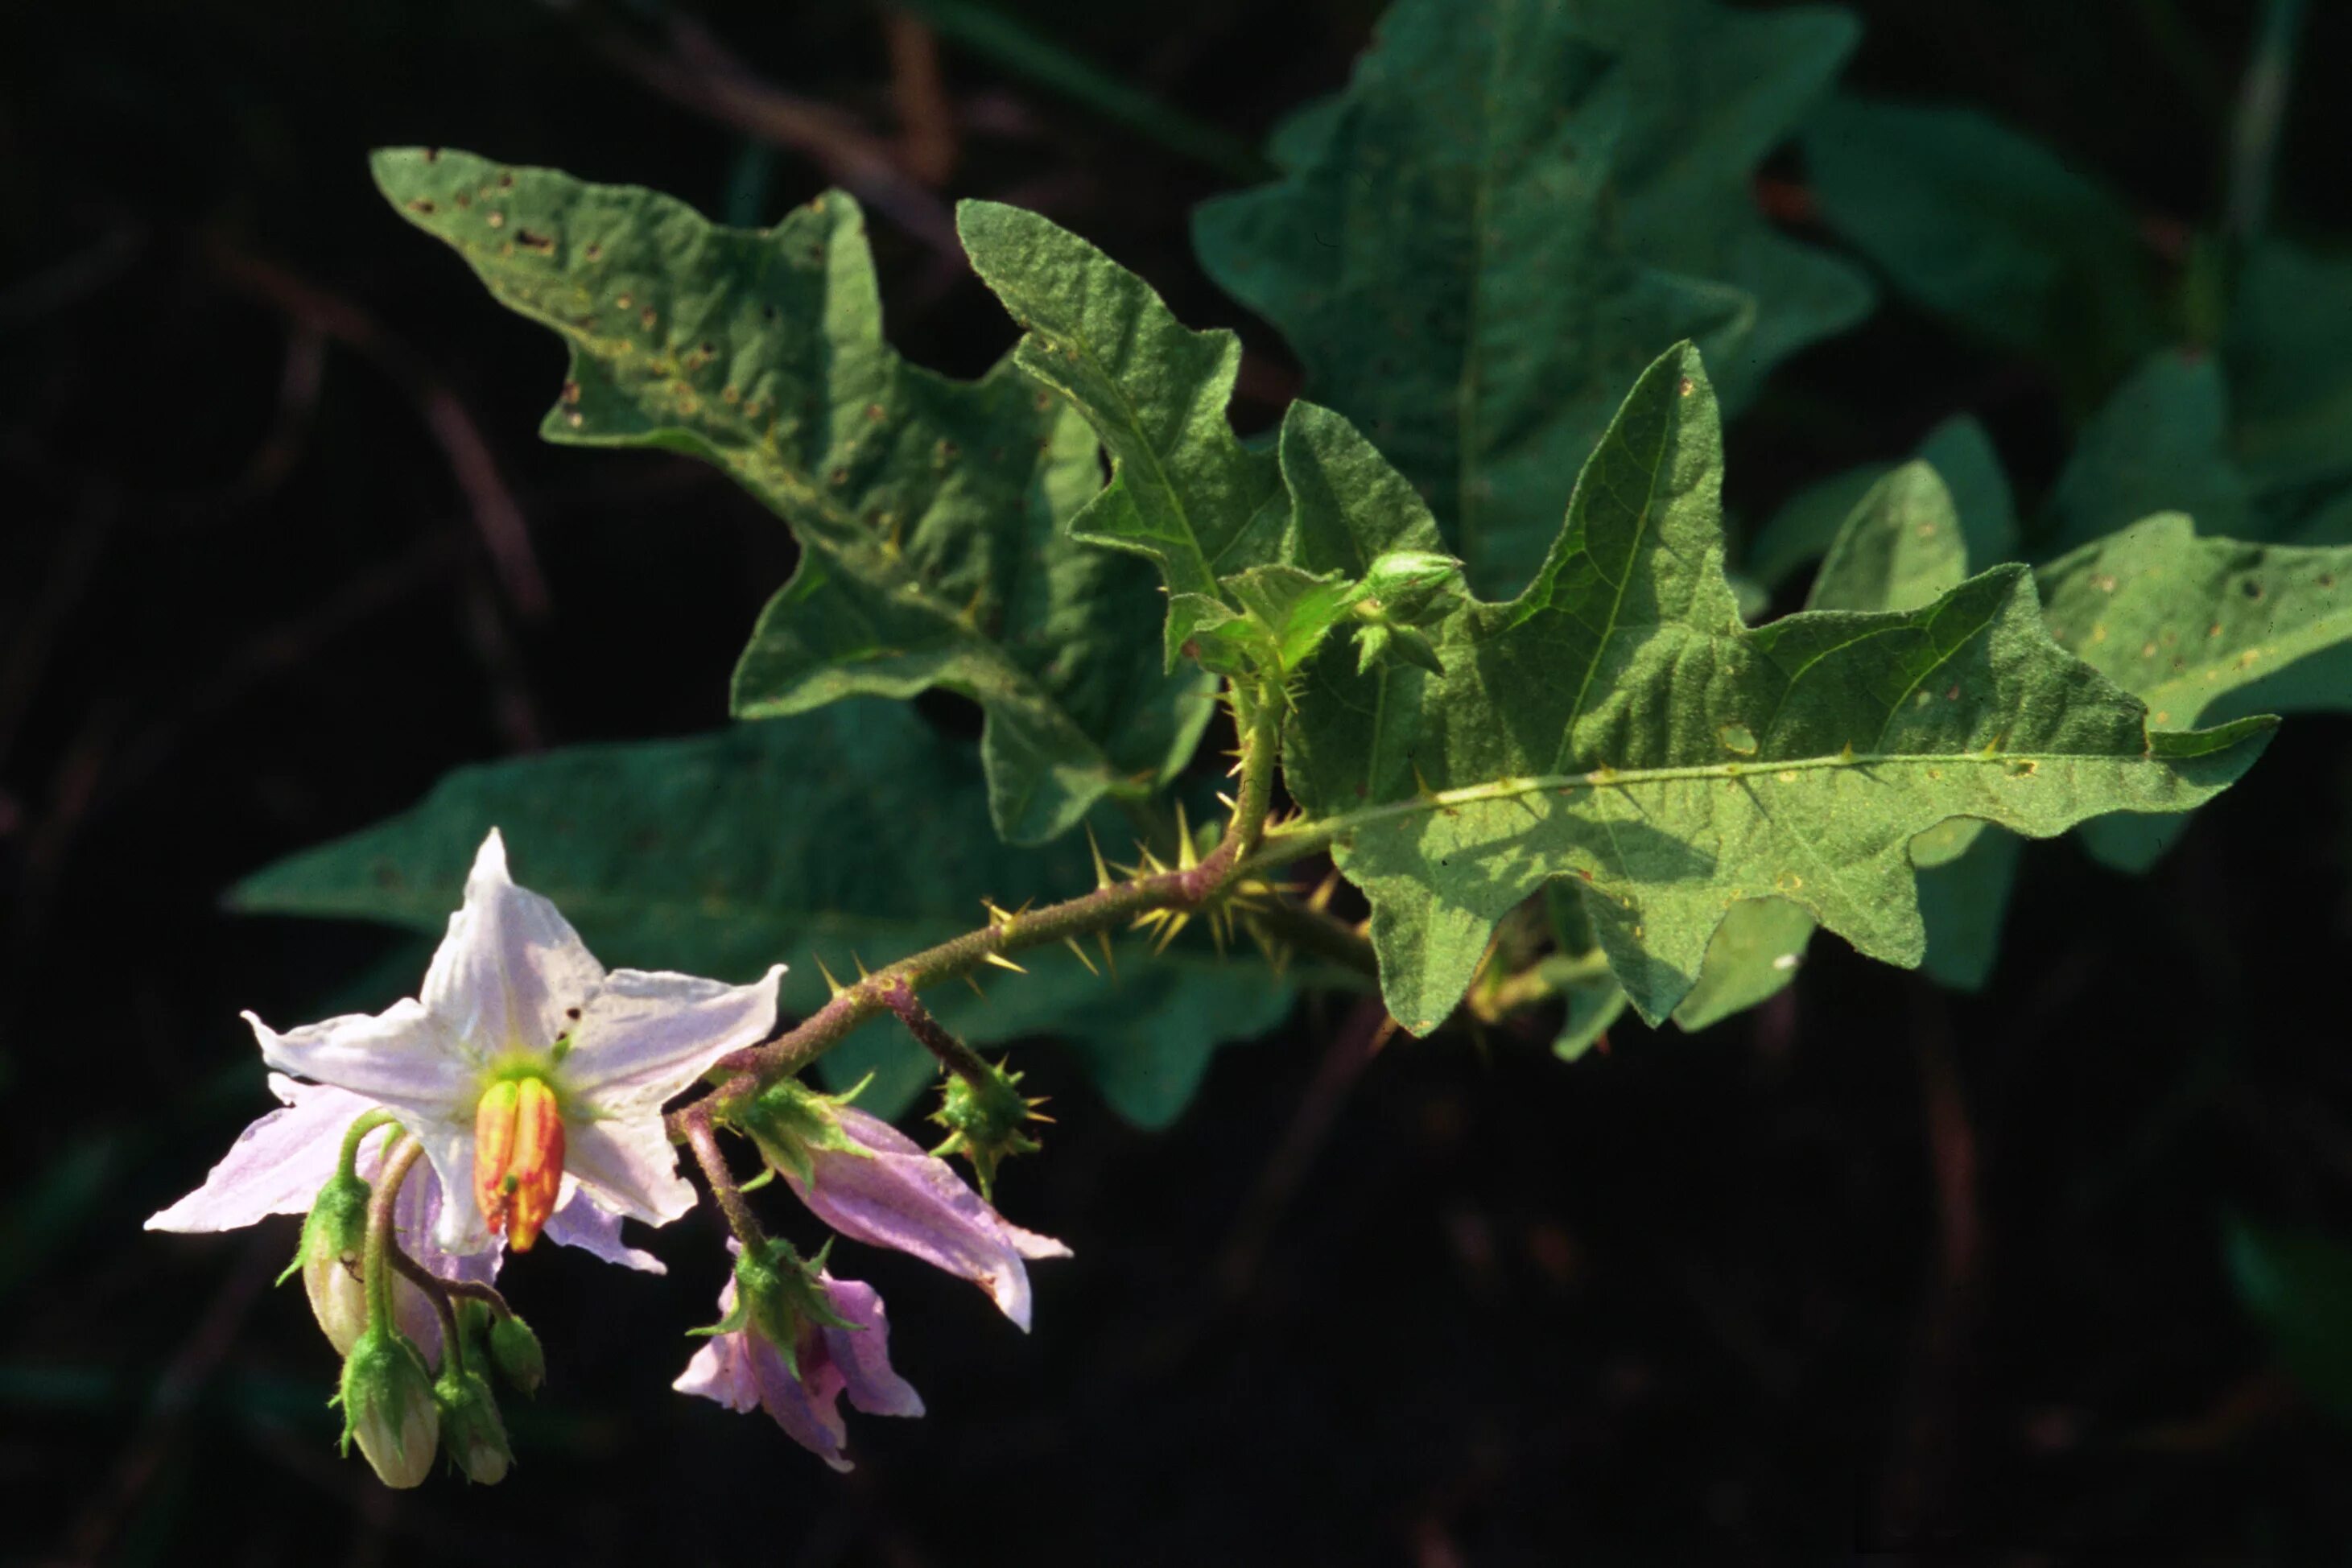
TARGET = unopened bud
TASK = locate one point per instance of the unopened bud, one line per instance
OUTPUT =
(514, 1351)
(389, 1408)
(1407, 588)
(333, 1238)
(985, 1122)
(470, 1427)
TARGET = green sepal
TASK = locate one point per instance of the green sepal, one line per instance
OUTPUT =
(515, 1350)
(336, 1225)
(791, 1122)
(384, 1385)
(779, 1295)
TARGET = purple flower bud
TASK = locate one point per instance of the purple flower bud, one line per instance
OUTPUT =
(741, 1369)
(875, 1185)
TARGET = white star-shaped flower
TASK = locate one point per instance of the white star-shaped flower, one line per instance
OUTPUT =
(526, 1071)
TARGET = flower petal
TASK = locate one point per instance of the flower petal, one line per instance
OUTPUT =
(897, 1196)
(862, 1354)
(277, 1165)
(720, 1371)
(630, 1167)
(644, 1037)
(807, 1407)
(457, 1230)
(511, 965)
(399, 1058)
(1030, 1245)
(578, 1221)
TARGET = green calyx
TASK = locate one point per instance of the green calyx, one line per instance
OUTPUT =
(515, 1350)
(985, 1122)
(389, 1407)
(336, 1226)
(781, 1297)
(792, 1123)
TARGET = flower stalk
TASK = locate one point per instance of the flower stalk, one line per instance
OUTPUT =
(382, 1208)
(704, 1142)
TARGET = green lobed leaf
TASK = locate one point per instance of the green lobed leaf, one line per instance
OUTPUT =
(929, 510)
(1184, 493)
(1906, 544)
(1616, 722)
(1515, 205)
(1752, 957)
(2159, 444)
(2202, 629)
(1990, 228)
(1962, 456)
(851, 833)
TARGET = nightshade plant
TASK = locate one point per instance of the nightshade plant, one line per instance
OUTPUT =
(1470, 613)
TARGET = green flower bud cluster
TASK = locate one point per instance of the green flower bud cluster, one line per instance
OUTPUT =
(1404, 592)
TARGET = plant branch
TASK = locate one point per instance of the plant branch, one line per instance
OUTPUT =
(1111, 905)
(705, 1144)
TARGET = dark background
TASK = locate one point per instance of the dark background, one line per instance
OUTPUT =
(1871, 1268)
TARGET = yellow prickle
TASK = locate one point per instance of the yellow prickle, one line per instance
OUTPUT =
(831, 984)
(1185, 858)
(1102, 872)
(1072, 943)
(1002, 961)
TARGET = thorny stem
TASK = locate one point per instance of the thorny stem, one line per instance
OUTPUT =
(382, 1203)
(738, 1209)
(1238, 854)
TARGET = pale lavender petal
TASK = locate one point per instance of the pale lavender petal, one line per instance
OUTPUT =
(578, 1221)
(741, 1368)
(720, 1371)
(1030, 1245)
(399, 1058)
(277, 1165)
(807, 1407)
(510, 968)
(628, 1163)
(642, 1037)
(862, 1354)
(899, 1196)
